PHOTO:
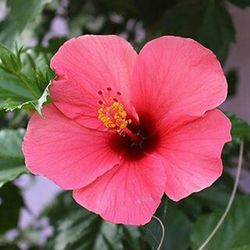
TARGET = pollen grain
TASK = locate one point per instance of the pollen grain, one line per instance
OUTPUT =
(113, 116)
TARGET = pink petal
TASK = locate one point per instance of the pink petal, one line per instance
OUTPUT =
(129, 193)
(65, 152)
(192, 154)
(87, 65)
(177, 77)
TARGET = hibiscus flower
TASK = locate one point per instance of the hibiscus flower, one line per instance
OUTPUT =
(125, 128)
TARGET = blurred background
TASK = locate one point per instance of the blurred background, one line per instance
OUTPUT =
(32, 209)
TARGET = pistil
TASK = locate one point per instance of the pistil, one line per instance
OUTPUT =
(134, 137)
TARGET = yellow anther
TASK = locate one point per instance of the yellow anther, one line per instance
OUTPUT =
(113, 116)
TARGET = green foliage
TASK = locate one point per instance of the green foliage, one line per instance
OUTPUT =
(207, 21)
(10, 105)
(240, 128)
(214, 198)
(10, 62)
(24, 80)
(144, 10)
(172, 217)
(8, 246)
(76, 228)
(232, 80)
(11, 157)
(234, 232)
(246, 247)
(82, 230)
(11, 202)
(22, 13)
(62, 205)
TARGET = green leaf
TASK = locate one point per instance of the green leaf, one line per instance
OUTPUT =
(11, 202)
(207, 21)
(26, 85)
(62, 205)
(241, 3)
(10, 87)
(10, 61)
(131, 237)
(82, 230)
(240, 128)
(76, 228)
(213, 198)
(234, 232)
(8, 246)
(172, 217)
(232, 80)
(11, 70)
(246, 247)
(21, 14)
(10, 105)
(11, 157)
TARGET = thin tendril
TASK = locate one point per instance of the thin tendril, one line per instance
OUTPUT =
(163, 232)
(230, 202)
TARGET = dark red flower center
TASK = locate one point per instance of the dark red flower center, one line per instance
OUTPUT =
(146, 139)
